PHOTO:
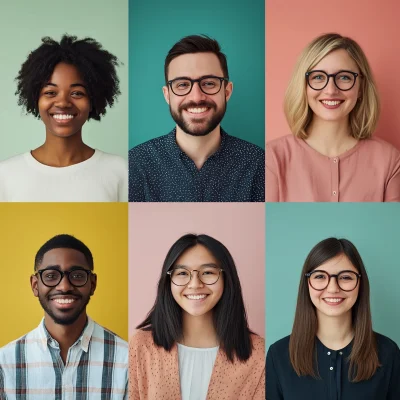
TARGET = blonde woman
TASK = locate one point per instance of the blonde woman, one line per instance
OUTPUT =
(332, 109)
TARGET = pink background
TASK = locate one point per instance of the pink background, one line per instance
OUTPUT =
(153, 228)
(375, 25)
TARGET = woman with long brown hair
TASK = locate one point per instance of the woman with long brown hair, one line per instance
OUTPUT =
(333, 353)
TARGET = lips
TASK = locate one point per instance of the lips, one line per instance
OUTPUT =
(64, 302)
(333, 301)
(196, 297)
(331, 103)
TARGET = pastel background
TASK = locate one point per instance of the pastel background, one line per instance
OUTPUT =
(156, 25)
(291, 25)
(153, 229)
(292, 230)
(22, 25)
(26, 227)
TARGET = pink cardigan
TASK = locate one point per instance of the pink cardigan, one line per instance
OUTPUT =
(370, 171)
(154, 372)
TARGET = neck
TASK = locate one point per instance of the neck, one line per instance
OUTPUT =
(330, 138)
(66, 335)
(62, 152)
(335, 332)
(199, 148)
(199, 331)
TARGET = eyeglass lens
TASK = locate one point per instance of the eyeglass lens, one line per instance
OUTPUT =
(208, 275)
(53, 277)
(208, 85)
(346, 280)
(343, 80)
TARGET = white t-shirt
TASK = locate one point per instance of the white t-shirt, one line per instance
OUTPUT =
(102, 177)
(195, 369)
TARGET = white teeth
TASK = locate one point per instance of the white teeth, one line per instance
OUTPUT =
(196, 297)
(63, 116)
(64, 301)
(197, 110)
(331, 103)
(333, 300)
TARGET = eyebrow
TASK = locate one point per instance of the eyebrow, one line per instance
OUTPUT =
(72, 85)
(202, 265)
(58, 267)
(201, 77)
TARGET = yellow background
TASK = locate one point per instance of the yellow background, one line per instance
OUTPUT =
(25, 227)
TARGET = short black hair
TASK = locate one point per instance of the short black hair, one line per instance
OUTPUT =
(64, 241)
(196, 44)
(96, 65)
(229, 314)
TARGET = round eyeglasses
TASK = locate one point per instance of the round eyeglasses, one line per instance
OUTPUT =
(208, 275)
(346, 280)
(344, 80)
(51, 277)
(208, 85)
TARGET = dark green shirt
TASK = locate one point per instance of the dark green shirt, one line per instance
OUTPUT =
(282, 382)
(160, 171)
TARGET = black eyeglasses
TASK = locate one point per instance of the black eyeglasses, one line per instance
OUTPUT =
(207, 84)
(344, 80)
(51, 277)
(346, 280)
(208, 275)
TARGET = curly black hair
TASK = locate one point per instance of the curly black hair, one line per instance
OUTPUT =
(96, 65)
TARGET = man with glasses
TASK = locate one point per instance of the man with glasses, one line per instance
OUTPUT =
(68, 355)
(197, 161)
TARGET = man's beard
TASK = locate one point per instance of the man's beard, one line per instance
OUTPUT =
(67, 319)
(193, 128)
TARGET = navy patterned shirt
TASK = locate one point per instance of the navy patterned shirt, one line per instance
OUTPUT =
(160, 171)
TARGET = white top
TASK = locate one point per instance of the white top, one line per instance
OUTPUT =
(195, 369)
(102, 177)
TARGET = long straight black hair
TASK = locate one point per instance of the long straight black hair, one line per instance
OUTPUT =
(229, 314)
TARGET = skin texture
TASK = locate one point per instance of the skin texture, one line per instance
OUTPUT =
(343, 310)
(334, 62)
(65, 93)
(65, 325)
(192, 259)
(195, 66)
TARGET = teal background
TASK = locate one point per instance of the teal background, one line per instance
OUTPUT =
(22, 25)
(293, 229)
(156, 25)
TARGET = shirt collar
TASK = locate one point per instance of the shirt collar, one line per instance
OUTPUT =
(345, 350)
(177, 150)
(83, 340)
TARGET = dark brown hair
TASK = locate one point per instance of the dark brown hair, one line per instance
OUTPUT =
(196, 44)
(302, 345)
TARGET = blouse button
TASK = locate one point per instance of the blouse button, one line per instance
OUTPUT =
(331, 368)
(335, 160)
(340, 353)
(329, 353)
(334, 192)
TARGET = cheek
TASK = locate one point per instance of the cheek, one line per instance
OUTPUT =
(175, 290)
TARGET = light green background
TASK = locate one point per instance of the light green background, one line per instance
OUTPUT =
(22, 25)
(156, 25)
(292, 230)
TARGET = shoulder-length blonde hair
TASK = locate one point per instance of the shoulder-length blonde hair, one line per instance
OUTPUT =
(364, 116)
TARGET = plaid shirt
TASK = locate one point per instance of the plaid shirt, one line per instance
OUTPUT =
(96, 367)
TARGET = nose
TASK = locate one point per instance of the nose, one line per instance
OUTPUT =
(63, 100)
(64, 285)
(195, 282)
(331, 87)
(333, 286)
(196, 94)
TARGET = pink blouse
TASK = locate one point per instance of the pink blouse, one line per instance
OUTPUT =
(370, 171)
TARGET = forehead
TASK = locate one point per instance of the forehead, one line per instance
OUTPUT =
(337, 60)
(64, 72)
(64, 258)
(337, 264)
(194, 65)
(196, 256)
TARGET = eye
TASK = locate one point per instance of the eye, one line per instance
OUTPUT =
(318, 77)
(78, 94)
(208, 84)
(319, 276)
(49, 93)
(347, 277)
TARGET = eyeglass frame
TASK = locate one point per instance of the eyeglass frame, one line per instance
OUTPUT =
(193, 81)
(308, 275)
(190, 272)
(64, 273)
(355, 74)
